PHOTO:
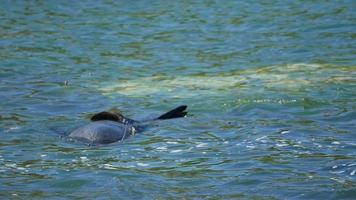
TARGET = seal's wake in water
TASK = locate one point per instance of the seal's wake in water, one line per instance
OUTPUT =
(108, 127)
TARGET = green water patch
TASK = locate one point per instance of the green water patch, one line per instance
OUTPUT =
(292, 79)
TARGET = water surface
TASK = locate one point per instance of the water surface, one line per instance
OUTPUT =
(270, 88)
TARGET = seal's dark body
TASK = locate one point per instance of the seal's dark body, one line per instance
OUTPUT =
(102, 132)
(108, 127)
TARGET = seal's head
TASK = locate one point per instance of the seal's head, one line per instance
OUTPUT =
(111, 116)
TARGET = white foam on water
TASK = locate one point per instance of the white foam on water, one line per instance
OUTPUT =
(338, 180)
(261, 138)
(351, 143)
(284, 132)
(318, 145)
(176, 151)
(11, 165)
(170, 142)
(107, 166)
(21, 168)
(336, 142)
(353, 173)
(142, 164)
(162, 148)
(201, 144)
(84, 158)
(282, 144)
(339, 172)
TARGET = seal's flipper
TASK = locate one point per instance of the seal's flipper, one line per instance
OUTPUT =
(175, 113)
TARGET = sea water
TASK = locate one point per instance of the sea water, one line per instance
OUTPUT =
(270, 88)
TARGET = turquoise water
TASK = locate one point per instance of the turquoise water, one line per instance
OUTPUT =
(270, 88)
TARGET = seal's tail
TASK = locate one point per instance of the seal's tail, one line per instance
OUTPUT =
(175, 113)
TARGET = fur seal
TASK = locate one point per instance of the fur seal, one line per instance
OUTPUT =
(108, 127)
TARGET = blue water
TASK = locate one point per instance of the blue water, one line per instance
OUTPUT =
(270, 88)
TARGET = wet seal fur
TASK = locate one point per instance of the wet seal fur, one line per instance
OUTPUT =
(108, 127)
